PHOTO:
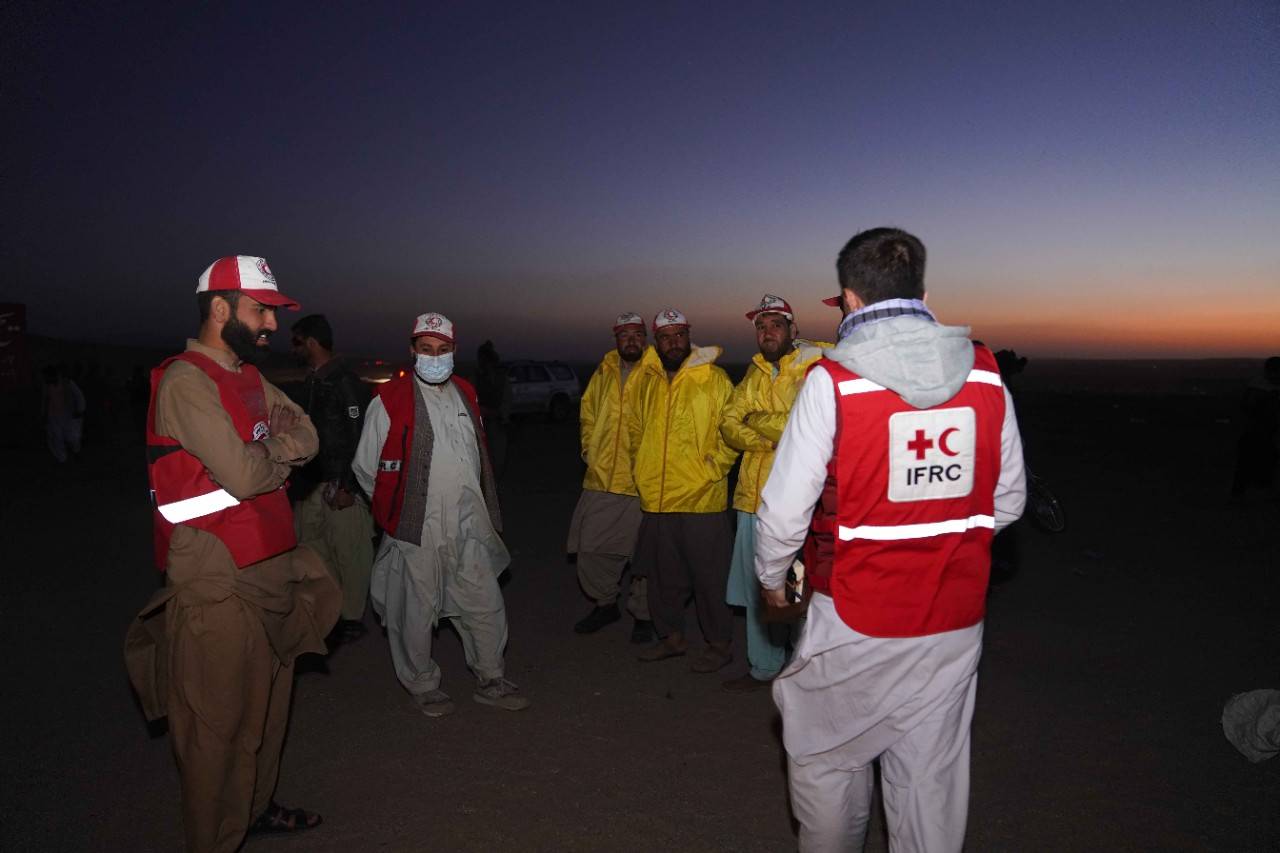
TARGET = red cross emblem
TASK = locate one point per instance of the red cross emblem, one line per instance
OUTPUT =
(920, 444)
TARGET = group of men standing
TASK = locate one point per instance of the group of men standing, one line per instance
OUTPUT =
(253, 581)
(661, 429)
(874, 474)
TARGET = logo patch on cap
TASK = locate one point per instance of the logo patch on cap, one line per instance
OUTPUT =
(434, 324)
(628, 318)
(770, 304)
(669, 317)
(265, 270)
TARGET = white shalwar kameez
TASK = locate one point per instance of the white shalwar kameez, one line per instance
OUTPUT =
(848, 699)
(454, 573)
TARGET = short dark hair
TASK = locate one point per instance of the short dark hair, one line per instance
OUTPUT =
(315, 326)
(882, 263)
(205, 301)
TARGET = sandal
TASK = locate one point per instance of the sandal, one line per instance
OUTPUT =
(277, 818)
(662, 650)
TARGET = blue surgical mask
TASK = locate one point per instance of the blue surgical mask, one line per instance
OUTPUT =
(433, 368)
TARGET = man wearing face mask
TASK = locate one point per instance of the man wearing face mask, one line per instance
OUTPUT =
(422, 457)
(214, 650)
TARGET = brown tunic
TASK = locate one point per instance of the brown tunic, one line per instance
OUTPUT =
(214, 648)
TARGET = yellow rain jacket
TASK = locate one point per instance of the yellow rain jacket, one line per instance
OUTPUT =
(605, 448)
(679, 460)
(757, 413)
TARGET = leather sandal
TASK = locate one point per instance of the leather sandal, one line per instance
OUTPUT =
(662, 651)
(276, 818)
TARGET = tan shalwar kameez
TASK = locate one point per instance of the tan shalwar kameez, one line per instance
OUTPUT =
(214, 649)
(605, 524)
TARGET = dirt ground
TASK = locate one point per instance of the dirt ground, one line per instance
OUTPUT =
(1108, 659)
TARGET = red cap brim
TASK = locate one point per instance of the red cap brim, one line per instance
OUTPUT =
(274, 298)
(833, 301)
(435, 335)
(751, 315)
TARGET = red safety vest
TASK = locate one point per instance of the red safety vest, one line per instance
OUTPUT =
(901, 537)
(182, 491)
(397, 448)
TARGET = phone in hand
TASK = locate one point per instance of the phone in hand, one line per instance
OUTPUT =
(795, 582)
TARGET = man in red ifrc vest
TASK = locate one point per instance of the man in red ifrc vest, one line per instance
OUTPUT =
(214, 650)
(422, 458)
(899, 462)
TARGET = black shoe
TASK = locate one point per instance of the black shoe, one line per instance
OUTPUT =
(597, 619)
(642, 632)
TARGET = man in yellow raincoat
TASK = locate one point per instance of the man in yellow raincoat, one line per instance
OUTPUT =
(753, 423)
(607, 518)
(681, 467)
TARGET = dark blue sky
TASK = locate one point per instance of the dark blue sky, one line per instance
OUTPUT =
(1090, 178)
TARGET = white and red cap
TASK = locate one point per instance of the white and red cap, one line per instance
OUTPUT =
(668, 317)
(249, 275)
(433, 325)
(626, 320)
(770, 304)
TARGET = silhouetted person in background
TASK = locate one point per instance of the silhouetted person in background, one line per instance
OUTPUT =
(1257, 455)
(1004, 548)
(1010, 364)
(493, 390)
(63, 407)
(331, 513)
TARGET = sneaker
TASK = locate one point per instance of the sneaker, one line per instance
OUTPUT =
(434, 703)
(642, 632)
(500, 693)
(746, 683)
(597, 619)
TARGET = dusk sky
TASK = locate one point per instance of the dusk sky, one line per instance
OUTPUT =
(1090, 178)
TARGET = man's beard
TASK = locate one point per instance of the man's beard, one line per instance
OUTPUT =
(242, 339)
(631, 354)
(676, 359)
(777, 351)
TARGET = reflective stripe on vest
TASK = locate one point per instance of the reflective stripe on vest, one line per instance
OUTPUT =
(866, 386)
(895, 532)
(197, 507)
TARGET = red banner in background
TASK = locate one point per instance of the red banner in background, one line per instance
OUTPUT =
(15, 362)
